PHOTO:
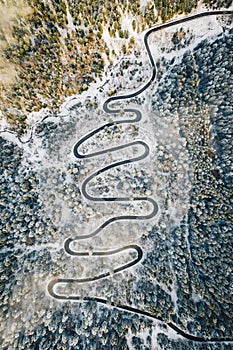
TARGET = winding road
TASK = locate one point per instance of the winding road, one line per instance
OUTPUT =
(154, 207)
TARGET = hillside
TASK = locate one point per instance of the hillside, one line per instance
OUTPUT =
(53, 49)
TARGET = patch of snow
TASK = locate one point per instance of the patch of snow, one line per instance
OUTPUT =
(70, 19)
(4, 125)
(150, 340)
(11, 137)
(143, 5)
(126, 24)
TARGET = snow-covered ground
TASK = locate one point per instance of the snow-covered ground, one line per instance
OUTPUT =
(60, 174)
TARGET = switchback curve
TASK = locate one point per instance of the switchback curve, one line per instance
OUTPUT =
(55, 282)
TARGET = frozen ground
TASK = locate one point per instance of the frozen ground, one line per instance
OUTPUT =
(166, 175)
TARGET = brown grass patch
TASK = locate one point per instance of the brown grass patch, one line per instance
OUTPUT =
(11, 12)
